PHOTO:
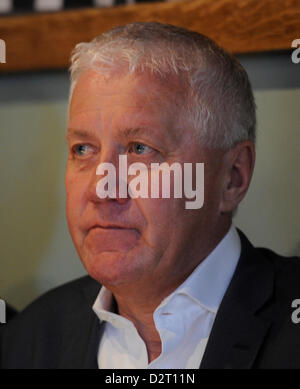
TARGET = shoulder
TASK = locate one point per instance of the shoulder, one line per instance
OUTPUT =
(59, 301)
(49, 319)
(286, 269)
(267, 267)
(281, 272)
(279, 262)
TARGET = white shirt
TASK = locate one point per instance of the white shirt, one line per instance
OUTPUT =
(183, 319)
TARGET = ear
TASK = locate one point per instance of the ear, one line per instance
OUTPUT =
(239, 165)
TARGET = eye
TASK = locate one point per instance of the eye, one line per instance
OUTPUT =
(81, 150)
(139, 148)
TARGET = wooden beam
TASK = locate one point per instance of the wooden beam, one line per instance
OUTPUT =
(45, 41)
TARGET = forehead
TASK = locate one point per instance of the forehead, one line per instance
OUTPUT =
(95, 83)
(126, 99)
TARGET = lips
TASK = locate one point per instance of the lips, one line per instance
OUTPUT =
(110, 237)
(109, 226)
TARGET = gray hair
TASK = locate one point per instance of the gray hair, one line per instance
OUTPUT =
(218, 100)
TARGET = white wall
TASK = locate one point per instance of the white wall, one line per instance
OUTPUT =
(270, 213)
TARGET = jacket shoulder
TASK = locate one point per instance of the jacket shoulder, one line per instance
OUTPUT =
(61, 297)
(47, 322)
(286, 269)
(280, 262)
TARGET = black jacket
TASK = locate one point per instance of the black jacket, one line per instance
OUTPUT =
(253, 327)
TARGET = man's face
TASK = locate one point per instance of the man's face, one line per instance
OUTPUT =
(143, 241)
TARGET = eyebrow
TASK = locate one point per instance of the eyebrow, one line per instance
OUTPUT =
(83, 134)
(136, 131)
(127, 133)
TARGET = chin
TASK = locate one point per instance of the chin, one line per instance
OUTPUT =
(111, 268)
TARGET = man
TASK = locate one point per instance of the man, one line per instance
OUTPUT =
(181, 288)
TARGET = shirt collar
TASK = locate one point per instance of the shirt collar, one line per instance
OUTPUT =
(206, 285)
(103, 307)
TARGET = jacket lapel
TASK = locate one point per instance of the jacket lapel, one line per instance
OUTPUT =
(242, 321)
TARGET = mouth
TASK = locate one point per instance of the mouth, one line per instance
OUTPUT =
(110, 227)
(111, 237)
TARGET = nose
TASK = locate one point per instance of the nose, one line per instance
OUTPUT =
(108, 181)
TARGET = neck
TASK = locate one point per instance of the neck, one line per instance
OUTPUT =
(139, 307)
(137, 301)
(145, 326)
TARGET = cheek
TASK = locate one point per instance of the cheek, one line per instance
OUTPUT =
(213, 189)
(74, 200)
(161, 215)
